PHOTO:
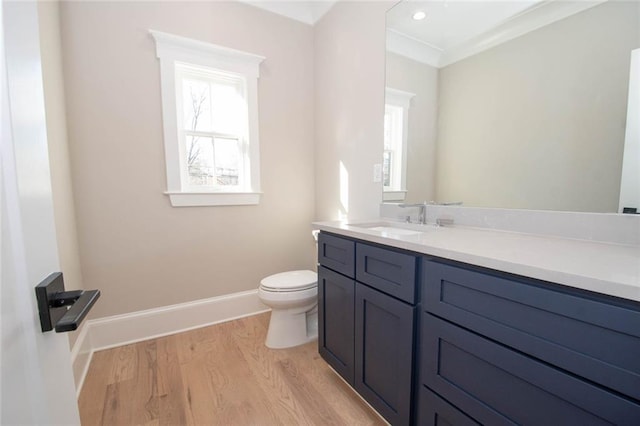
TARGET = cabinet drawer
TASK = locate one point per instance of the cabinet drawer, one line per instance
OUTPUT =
(435, 411)
(337, 253)
(388, 271)
(496, 385)
(591, 338)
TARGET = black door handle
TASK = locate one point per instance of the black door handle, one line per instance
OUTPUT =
(59, 309)
(78, 310)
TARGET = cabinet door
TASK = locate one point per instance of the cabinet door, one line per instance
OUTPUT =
(384, 330)
(435, 411)
(335, 321)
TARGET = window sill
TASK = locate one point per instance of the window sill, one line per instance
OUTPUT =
(200, 199)
(394, 195)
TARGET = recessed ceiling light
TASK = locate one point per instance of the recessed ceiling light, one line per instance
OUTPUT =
(419, 16)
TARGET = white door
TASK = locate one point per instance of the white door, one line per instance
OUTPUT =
(37, 383)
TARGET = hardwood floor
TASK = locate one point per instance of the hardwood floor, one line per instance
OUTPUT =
(218, 375)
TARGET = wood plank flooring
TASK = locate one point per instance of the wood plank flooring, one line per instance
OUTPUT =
(218, 375)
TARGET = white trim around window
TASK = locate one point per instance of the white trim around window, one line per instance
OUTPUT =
(172, 49)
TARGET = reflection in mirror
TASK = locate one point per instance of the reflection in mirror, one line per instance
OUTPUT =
(394, 159)
(516, 104)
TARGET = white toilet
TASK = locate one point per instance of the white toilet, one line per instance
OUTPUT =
(293, 299)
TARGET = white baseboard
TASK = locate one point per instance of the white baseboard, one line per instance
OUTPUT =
(118, 330)
(81, 354)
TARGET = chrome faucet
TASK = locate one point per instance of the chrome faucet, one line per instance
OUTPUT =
(422, 216)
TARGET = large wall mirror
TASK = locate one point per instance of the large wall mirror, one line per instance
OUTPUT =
(522, 104)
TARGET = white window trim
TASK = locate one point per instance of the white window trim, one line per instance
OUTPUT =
(171, 49)
(400, 99)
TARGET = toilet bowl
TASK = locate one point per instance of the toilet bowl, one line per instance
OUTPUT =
(293, 299)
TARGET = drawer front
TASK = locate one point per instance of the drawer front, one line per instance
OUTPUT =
(335, 330)
(435, 411)
(388, 271)
(384, 353)
(498, 386)
(337, 253)
(591, 338)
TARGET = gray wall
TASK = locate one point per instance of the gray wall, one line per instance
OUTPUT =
(519, 129)
(137, 249)
(349, 109)
(422, 80)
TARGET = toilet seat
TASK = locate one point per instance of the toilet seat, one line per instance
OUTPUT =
(290, 281)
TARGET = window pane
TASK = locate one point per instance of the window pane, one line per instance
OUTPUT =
(227, 160)
(387, 130)
(393, 141)
(386, 168)
(393, 127)
(213, 162)
(196, 99)
(200, 165)
(229, 108)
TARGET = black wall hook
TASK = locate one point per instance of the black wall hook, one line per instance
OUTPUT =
(59, 309)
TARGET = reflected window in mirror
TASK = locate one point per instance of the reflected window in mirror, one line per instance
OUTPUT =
(396, 126)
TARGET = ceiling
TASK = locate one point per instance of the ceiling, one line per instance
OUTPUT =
(308, 12)
(451, 22)
(455, 29)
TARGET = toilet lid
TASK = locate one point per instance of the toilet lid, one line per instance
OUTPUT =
(290, 281)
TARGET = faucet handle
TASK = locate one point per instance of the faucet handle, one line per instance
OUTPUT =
(422, 218)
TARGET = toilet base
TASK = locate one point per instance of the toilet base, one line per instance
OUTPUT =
(292, 327)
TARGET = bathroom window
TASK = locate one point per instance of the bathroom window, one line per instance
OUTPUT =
(396, 128)
(393, 147)
(210, 119)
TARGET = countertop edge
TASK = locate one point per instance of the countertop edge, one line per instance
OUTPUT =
(628, 288)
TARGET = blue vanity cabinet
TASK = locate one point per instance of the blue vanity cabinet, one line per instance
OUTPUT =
(503, 349)
(336, 296)
(437, 342)
(367, 316)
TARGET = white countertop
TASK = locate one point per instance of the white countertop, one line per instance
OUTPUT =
(612, 269)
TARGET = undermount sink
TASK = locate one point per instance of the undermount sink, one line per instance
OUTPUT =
(396, 229)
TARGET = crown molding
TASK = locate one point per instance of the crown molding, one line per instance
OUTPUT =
(404, 45)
